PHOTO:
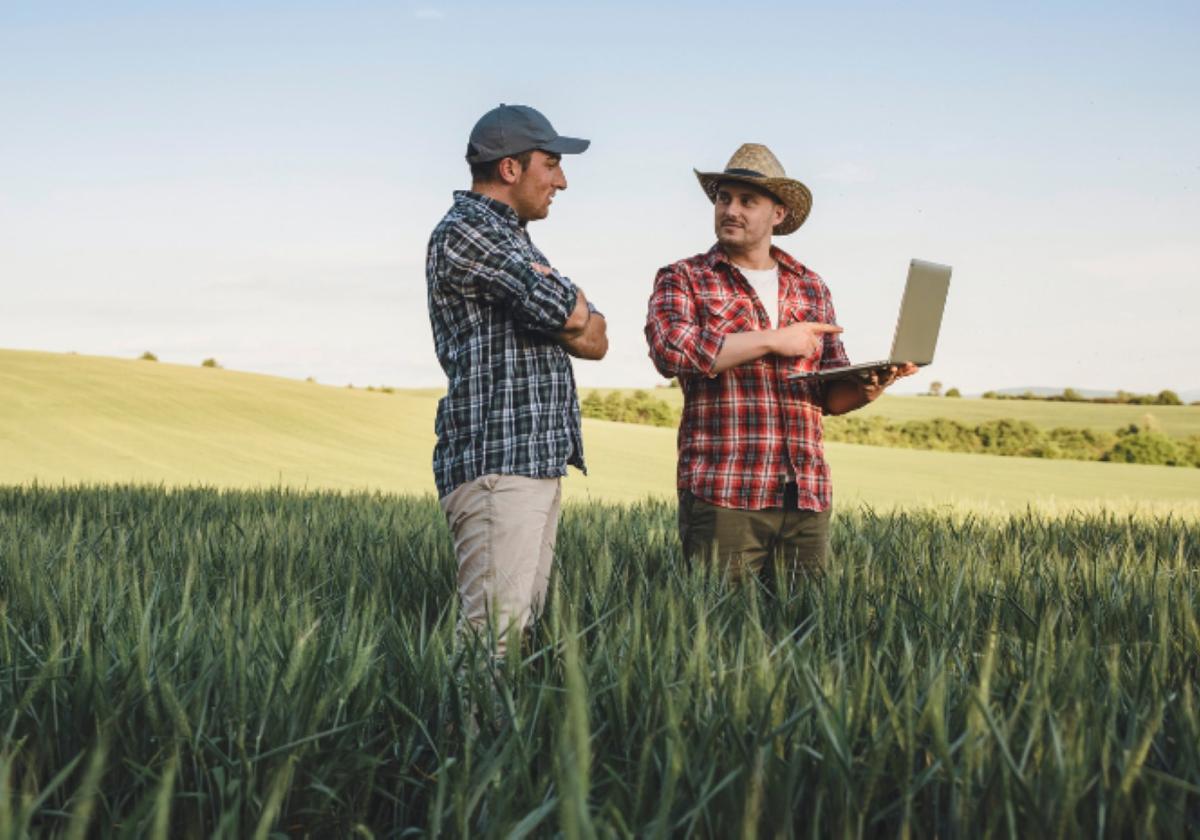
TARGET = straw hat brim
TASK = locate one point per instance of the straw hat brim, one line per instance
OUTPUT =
(794, 195)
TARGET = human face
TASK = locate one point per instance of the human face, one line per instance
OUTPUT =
(744, 217)
(535, 187)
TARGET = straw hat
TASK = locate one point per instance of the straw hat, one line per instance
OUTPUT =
(754, 164)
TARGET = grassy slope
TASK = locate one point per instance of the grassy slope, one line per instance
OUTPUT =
(86, 419)
(1177, 421)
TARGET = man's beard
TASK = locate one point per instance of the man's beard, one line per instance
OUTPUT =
(736, 237)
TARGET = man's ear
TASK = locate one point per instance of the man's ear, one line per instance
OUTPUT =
(781, 212)
(509, 170)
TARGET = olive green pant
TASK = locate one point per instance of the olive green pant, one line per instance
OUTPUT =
(753, 542)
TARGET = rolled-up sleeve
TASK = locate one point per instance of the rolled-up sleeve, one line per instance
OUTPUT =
(492, 271)
(679, 344)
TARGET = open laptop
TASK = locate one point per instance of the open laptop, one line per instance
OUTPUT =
(916, 328)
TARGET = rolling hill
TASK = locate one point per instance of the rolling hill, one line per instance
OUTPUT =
(80, 419)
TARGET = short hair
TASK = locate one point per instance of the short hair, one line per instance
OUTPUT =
(489, 170)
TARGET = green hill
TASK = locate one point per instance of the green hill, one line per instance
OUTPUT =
(67, 418)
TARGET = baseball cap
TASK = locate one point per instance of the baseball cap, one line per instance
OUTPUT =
(512, 129)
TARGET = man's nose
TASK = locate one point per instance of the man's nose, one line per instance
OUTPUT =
(560, 181)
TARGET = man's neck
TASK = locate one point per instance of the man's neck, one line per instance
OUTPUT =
(496, 192)
(755, 259)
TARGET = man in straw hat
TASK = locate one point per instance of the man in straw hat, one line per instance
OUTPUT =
(731, 324)
(504, 323)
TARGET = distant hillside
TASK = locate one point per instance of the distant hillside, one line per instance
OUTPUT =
(67, 418)
(1047, 391)
(1177, 421)
(1189, 395)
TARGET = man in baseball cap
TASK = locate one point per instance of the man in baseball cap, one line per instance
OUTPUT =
(505, 324)
(512, 129)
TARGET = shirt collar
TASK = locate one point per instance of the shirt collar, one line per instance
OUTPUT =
(473, 200)
(716, 256)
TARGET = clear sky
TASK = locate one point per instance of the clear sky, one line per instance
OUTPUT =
(256, 182)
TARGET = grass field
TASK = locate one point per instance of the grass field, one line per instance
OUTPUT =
(83, 419)
(1176, 421)
(198, 662)
(191, 664)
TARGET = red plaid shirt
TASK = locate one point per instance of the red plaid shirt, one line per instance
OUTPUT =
(742, 428)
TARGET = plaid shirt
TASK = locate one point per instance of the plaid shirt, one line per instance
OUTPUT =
(511, 405)
(743, 428)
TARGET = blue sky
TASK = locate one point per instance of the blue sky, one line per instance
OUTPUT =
(256, 182)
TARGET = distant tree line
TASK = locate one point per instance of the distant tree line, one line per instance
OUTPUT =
(1133, 444)
(1166, 397)
(638, 407)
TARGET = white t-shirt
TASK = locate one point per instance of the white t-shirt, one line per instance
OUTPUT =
(765, 283)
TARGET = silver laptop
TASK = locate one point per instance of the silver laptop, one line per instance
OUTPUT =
(916, 328)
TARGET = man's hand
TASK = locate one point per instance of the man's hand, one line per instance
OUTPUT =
(801, 339)
(848, 394)
(874, 383)
(542, 269)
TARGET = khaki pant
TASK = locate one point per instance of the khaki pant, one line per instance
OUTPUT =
(504, 527)
(751, 542)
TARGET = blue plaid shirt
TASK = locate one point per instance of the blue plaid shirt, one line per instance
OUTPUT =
(511, 405)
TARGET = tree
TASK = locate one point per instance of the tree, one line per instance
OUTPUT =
(1009, 437)
(935, 389)
(954, 392)
(148, 357)
(1189, 450)
(1168, 398)
(1144, 446)
(209, 363)
(593, 406)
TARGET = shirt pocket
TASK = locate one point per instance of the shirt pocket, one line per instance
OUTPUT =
(797, 312)
(728, 314)
(802, 309)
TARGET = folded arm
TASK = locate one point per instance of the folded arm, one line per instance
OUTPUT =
(489, 270)
(585, 333)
